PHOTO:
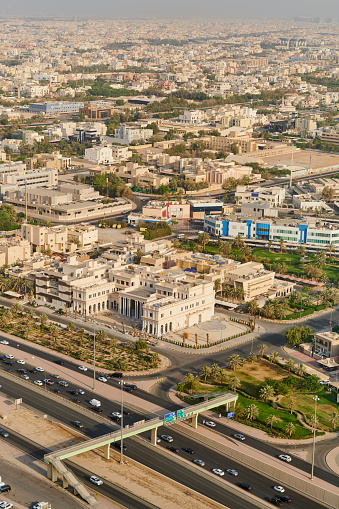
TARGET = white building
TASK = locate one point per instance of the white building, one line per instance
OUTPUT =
(275, 196)
(126, 135)
(99, 155)
(191, 117)
(13, 181)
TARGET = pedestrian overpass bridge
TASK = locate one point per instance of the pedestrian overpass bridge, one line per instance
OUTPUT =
(54, 460)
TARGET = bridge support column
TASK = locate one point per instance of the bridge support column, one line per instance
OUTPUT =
(227, 406)
(52, 472)
(154, 436)
(195, 421)
(64, 482)
(107, 451)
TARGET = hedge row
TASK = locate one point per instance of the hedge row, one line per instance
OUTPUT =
(180, 343)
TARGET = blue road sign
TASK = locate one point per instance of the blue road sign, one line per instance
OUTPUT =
(169, 417)
(230, 414)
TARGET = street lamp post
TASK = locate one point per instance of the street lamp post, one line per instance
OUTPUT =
(122, 423)
(314, 428)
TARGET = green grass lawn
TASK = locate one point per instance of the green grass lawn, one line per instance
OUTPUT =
(325, 407)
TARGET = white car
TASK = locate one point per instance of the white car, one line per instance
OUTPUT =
(279, 488)
(41, 370)
(116, 414)
(285, 457)
(239, 436)
(210, 424)
(166, 438)
(4, 342)
(158, 440)
(39, 505)
(80, 391)
(96, 480)
(82, 368)
(102, 379)
(201, 463)
(6, 505)
(9, 356)
(21, 361)
(38, 382)
(218, 471)
(324, 382)
(25, 377)
(232, 472)
(63, 383)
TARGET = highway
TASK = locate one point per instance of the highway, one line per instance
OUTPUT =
(262, 486)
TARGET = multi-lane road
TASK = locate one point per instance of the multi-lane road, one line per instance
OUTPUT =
(137, 450)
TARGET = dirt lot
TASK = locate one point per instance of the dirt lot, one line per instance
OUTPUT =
(132, 476)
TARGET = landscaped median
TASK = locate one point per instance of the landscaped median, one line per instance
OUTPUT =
(275, 397)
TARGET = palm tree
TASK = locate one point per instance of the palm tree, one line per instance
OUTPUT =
(207, 339)
(234, 383)
(235, 361)
(215, 370)
(271, 419)
(274, 357)
(269, 245)
(217, 286)
(266, 393)
(291, 405)
(301, 369)
(223, 375)
(334, 419)
(44, 319)
(203, 239)
(17, 308)
(70, 326)
(189, 380)
(290, 428)
(251, 412)
(290, 364)
(262, 348)
(251, 308)
(281, 242)
(251, 358)
(205, 372)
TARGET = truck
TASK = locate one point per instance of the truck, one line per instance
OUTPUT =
(95, 402)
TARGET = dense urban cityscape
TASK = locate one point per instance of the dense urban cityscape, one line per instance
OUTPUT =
(169, 260)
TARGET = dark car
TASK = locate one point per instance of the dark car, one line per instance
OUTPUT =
(78, 424)
(76, 400)
(116, 375)
(245, 486)
(97, 409)
(22, 371)
(275, 501)
(9, 363)
(284, 498)
(5, 488)
(189, 450)
(115, 418)
(126, 412)
(127, 388)
(60, 362)
(33, 370)
(73, 391)
(56, 390)
(173, 449)
(132, 386)
(118, 446)
(3, 357)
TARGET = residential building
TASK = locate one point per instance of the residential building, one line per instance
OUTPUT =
(191, 117)
(161, 210)
(20, 180)
(14, 250)
(326, 344)
(331, 136)
(126, 135)
(99, 155)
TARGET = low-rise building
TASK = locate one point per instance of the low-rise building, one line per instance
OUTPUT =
(275, 196)
(200, 208)
(126, 135)
(55, 108)
(326, 344)
(99, 155)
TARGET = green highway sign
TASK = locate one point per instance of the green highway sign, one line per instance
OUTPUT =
(169, 417)
(180, 414)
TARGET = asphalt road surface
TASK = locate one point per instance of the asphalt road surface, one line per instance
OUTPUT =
(149, 457)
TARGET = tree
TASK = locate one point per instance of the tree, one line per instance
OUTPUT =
(298, 335)
(290, 428)
(301, 369)
(291, 405)
(71, 327)
(217, 286)
(43, 319)
(101, 335)
(281, 242)
(271, 419)
(290, 364)
(138, 255)
(251, 358)
(223, 375)
(320, 260)
(251, 307)
(225, 248)
(327, 193)
(203, 239)
(274, 357)
(251, 412)
(215, 370)
(234, 383)
(190, 382)
(331, 248)
(17, 308)
(266, 393)
(235, 361)
(334, 419)
(205, 372)
(234, 148)
(262, 349)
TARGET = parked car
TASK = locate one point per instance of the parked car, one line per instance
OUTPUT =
(5, 488)
(6, 505)
(96, 480)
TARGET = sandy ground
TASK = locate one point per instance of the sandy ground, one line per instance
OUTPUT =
(136, 478)
(305, 158)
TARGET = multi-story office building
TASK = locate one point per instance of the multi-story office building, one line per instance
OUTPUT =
(18, 180)
(200, 208)
(275, 196)
(319, 233)
(55, 108)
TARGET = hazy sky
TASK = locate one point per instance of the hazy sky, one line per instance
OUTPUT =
(173, 8)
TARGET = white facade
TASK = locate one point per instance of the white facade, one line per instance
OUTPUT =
(191, 117)
(99, 155)
(275, 196)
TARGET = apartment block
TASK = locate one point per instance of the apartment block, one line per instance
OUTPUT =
(275, 196)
